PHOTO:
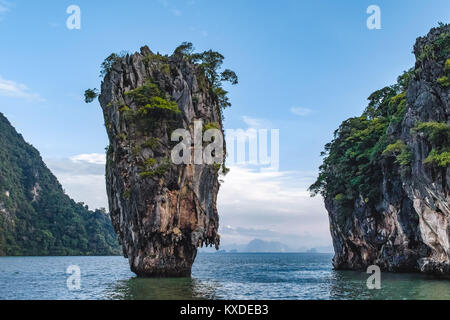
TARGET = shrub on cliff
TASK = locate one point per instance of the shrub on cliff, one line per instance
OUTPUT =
(352, 160)
(90, 95)
(209, 63)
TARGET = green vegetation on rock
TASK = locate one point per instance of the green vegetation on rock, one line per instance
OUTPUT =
(438, 133)
(149, 97)
(152, 168)
(401, 152)
(440, 159)
(209, 75)
(352, 163)
(36, 216)
(90, 95)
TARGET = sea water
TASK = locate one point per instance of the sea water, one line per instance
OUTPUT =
(214, 276)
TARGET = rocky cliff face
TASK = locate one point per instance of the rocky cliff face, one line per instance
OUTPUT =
(161, 211)
(407, 228)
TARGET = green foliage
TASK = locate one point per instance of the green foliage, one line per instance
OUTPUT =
(156, 59)
(50, 223)
(222, 98)
(184, 49)
(153, 169)
(447, 65)
(339, 197)
(122, 136)
(90, 95)
(150, 162)
(225, 170)
(351, 167)
(157, 103)
(444, 81)
(427, 53)
(151, 143)
(136, 150)
(211, 125)
(209, 64)
(404, 79)
(401, 151)
(124, 108)
(440, 48)
(142, 95)
(165, 68)
(150, 97)
(442, 45)
(229, 76)
(109, 62)
(216, 166)
(440, 159)
(438, 133)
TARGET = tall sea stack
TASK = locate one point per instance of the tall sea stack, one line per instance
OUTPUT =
(386, 175)
(162, 212)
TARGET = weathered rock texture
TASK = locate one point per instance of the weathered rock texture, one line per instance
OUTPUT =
(161, 211)
(409, 230)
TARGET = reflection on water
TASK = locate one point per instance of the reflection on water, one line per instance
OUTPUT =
(214, 276)
(351, 285)
(162, 289)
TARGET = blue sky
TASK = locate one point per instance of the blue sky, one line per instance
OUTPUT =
(316, 57)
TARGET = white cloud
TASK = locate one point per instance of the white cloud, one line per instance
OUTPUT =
(4, 8)
(299, 111)
(11, 88)
(275, 201)
(257, 123)
(96, 158)
(82, 177)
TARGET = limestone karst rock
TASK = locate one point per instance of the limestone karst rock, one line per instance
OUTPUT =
(162, 212)
(405, 224)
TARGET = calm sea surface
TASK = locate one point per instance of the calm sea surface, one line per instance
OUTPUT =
(214, 276)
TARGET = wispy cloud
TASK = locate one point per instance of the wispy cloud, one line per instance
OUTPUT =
(256, 123)
(276, 201)
(299, 111)
(83, 178)
(5, 7)
(11, 88)
(96, 158)
(175, 11)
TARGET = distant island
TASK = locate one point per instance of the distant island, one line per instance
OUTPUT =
(261, 246)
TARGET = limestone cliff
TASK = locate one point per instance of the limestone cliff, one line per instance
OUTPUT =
(161, 211)
(386, 178)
